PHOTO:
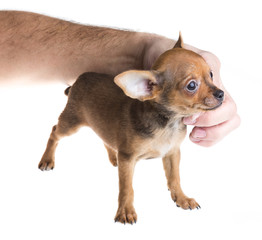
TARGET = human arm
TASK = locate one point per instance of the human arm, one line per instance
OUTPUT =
(40, 48)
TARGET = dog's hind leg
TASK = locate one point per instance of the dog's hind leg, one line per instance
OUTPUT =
(67, 125)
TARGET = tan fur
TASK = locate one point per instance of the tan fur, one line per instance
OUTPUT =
(133, 129)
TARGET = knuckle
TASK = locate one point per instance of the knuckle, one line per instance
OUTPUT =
(237, 121)
(232, 108)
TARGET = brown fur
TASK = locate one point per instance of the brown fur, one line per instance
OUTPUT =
(135, 129)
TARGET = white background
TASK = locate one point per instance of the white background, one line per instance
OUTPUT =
(78, 200)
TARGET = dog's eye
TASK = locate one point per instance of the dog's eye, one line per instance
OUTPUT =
(192, 86)
(211, 75)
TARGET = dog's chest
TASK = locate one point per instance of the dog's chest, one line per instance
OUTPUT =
(164, 140)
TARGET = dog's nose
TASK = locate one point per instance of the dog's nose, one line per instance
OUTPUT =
(219, 95)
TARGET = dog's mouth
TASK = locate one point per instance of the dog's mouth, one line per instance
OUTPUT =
(213, 108)
(190, 110)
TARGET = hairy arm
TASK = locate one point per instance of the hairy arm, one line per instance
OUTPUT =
(37, 47)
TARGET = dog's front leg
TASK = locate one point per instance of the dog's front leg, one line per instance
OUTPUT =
(171, 165)
(126, 212)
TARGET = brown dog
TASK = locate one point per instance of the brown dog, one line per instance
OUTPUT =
(141, 118)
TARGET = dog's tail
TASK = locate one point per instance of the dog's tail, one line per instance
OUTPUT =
(67, 91)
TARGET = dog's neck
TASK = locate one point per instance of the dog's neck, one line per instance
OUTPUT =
(149, 116)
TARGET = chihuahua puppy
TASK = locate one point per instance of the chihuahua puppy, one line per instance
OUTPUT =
(138, 115)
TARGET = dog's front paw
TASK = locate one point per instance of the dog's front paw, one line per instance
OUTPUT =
(186, 203)
(126, 215)
(46, 164)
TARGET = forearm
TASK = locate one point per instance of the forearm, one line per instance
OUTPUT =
(38, 47)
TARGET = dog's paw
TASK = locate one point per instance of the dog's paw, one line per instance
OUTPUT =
(126, 215)
(187, 203)
(46, 164)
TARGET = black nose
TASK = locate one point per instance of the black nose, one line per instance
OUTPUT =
(219, 95)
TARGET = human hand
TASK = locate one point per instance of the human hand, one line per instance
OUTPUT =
(211, 127)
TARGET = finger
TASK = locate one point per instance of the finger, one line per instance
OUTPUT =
(211, 118)
(208, 136)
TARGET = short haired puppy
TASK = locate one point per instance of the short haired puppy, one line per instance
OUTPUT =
(138, 115)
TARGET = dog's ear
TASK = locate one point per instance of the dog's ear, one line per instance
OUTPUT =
(179, 43)
(142, 85)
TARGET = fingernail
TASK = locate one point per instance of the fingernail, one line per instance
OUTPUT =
(191, 120)
(199, 133)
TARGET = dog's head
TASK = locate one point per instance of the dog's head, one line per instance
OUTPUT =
(180, 80)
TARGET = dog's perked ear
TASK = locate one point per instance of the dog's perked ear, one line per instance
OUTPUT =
(142, 85)
(179, 43)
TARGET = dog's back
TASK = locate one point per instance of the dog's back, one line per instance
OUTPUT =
(100, 104)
